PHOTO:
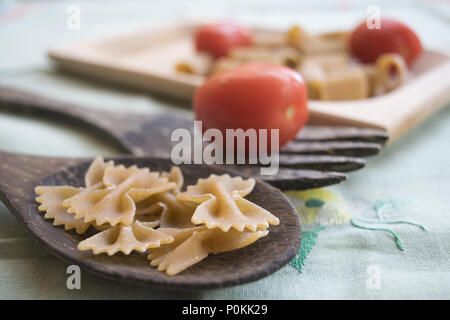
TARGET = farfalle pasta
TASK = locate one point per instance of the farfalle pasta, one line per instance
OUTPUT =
(135, 209)
(176, 176)
(195, 244)
(95, 173)
(51, 199)
(173, 213)
(116, 203)
(222, 204)
(123, 238)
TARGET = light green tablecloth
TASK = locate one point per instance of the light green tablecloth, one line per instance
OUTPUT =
(414, 171)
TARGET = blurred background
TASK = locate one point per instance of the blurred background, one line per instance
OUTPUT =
(29, 28)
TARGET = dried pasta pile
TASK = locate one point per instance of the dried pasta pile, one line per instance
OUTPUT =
(135, 209)
(323, 60)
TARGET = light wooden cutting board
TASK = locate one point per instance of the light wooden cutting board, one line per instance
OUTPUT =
(146, 60)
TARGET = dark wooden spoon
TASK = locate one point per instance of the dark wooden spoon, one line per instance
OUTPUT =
(19, 174)
(320, 156)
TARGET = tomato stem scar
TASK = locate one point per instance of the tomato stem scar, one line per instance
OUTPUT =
(290, 112)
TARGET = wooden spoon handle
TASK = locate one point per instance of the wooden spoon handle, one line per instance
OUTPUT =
(20, 101)
(143, 134)
(111, 125)
(148, 134)
(20, 173)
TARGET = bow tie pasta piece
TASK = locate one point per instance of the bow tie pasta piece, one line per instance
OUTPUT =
(51, 199)
(179, 236)
(149, 206)
(148, 220)
(151, 219)
(217, 184)
(95, 172)
(225, 212)
(217, 241)
(116, 204)
(175, 175)
(222, 204)
(143, 184)
(174, 213)
(125, 239)
(114, 176)
(150, 215)
(191, 246)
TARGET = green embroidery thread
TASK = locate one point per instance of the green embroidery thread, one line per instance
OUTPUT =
(398, 242)
(309, 239)
(395, 222)
(382, 207)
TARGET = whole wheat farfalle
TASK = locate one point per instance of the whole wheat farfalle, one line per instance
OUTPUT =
(195, 244)
(116, 203)
(222, 204)
(135, 209)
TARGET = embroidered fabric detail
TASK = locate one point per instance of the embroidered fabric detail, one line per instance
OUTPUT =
(309, 239)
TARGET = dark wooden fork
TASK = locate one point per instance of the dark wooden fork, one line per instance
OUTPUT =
(318, 157)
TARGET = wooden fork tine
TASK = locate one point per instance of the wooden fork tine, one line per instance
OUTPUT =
(303, 180)
(342, 148)
(322, 133)
(293, 179)
(321, 162)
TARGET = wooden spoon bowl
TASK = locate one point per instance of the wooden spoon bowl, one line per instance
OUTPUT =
(19, 174)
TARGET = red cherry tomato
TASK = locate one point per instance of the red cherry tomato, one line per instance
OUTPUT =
(254, 95)
(219, 38)
(393, 37)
